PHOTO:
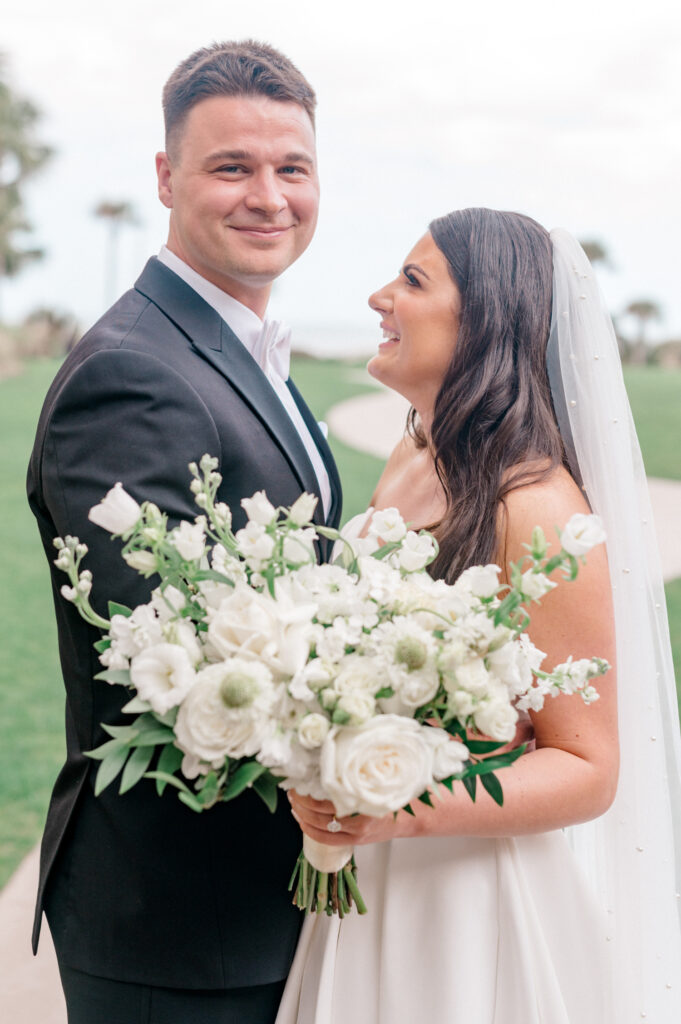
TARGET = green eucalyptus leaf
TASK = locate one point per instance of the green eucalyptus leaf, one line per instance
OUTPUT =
(191, 801)
(266, 787)
(123, 733)
(243, 777)
(493, 787)
(110, 767)
(119, 676)
(169, 762)
(483, 746)
(136, 706)
(153, 736)
(99, 753)
(102, 645)
(119, 609)
(168, 780)
(138, 762)
(470, 783)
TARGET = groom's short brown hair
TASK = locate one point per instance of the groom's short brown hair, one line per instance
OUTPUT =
(232, 69)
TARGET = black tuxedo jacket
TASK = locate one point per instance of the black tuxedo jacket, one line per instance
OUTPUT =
(137, 887)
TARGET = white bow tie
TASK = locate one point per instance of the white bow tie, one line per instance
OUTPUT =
(272, 350)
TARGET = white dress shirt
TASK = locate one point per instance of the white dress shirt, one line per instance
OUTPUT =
(270, 345)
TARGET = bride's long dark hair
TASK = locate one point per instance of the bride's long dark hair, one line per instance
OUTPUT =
(494, 428)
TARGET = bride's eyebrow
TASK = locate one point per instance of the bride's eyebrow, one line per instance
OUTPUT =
(408, 267)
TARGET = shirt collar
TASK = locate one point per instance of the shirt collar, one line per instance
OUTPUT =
(246, 324)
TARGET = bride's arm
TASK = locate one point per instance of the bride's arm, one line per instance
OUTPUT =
(571, 776)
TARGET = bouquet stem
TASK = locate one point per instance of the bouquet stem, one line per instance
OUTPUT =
(331, 892)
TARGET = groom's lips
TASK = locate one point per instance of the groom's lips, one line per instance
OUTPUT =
(258, 232)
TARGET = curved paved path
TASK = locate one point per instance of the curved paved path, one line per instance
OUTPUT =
(374, 422)
(30, 992)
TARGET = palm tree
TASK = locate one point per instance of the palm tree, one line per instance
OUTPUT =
(596, 252)
(643, 310)
(116, 213)
(20, 157)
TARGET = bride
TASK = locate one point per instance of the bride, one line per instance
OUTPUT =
(495, 333)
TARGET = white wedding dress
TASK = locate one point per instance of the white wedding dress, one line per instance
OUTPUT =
(458, 931)
(574, 927)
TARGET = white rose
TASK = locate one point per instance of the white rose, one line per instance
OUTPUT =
(359, 674)
(473, 677)
(416, 688)
(496, 717)
(448, 754)
(227, 711)
(416, 551)
(360, 706)
(254, 542)
(302, 510)
(117, 512)
(581, 533)
(378, 767)
(535, 584)
(387, 524)
(259, 509)
(143, 562)
(313, 730)
(163, 675)
(481, 580)
(189, 539)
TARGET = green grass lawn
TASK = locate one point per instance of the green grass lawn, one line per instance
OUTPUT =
(31, 692)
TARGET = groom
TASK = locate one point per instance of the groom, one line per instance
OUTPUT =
(160, 915)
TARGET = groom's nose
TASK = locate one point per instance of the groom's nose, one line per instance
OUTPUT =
(265, 193)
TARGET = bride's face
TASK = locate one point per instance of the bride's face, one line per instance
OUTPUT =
(420, 319)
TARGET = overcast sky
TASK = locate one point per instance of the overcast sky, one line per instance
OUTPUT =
(570, 112)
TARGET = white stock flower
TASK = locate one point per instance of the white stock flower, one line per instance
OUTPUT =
(254, 542)
(582, 532)
(535, 584)
(302, 510)
(378, 767)
(299, 546)
(480, 580)
(163, 675)
(167, 602)
(259, 509)
(183, 633)
(142, 561)
(130, 635)
(513, 662)
(416, 551)
(387, 524)
(227, 711)
(189, 539)
(352, 545)
(313, 730)
(117, 512)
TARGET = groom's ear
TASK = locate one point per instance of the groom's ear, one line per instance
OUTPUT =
(163, 174)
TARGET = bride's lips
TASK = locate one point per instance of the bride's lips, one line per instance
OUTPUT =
(391, 337)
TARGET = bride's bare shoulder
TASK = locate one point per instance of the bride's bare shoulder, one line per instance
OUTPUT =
(548, 502)
(403, 453)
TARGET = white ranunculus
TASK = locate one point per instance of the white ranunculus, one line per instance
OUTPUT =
(481, 580)
(134, 633)
(416, 551)
(448, 754)
(535, 584)
(360, 706)
(259, 509)
(378, 767)
(302, 510)
(313, 730)
(189, 539)
(359, 674)
(254, 542)
(582, 532)
(117, 512)
(143, 562)
(163, 675)
(227, 711)
(415, 688)
(388, 525)
(496, 717)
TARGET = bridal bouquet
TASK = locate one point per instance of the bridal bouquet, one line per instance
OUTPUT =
(364, 681)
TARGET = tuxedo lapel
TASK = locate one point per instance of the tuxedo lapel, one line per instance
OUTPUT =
(317, 436)
(217, 343)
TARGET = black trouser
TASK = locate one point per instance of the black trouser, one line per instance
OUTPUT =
(92, 1000)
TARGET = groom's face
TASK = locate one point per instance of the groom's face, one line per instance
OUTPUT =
(241, 184)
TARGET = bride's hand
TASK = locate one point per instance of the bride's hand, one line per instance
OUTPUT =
(313, 816)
